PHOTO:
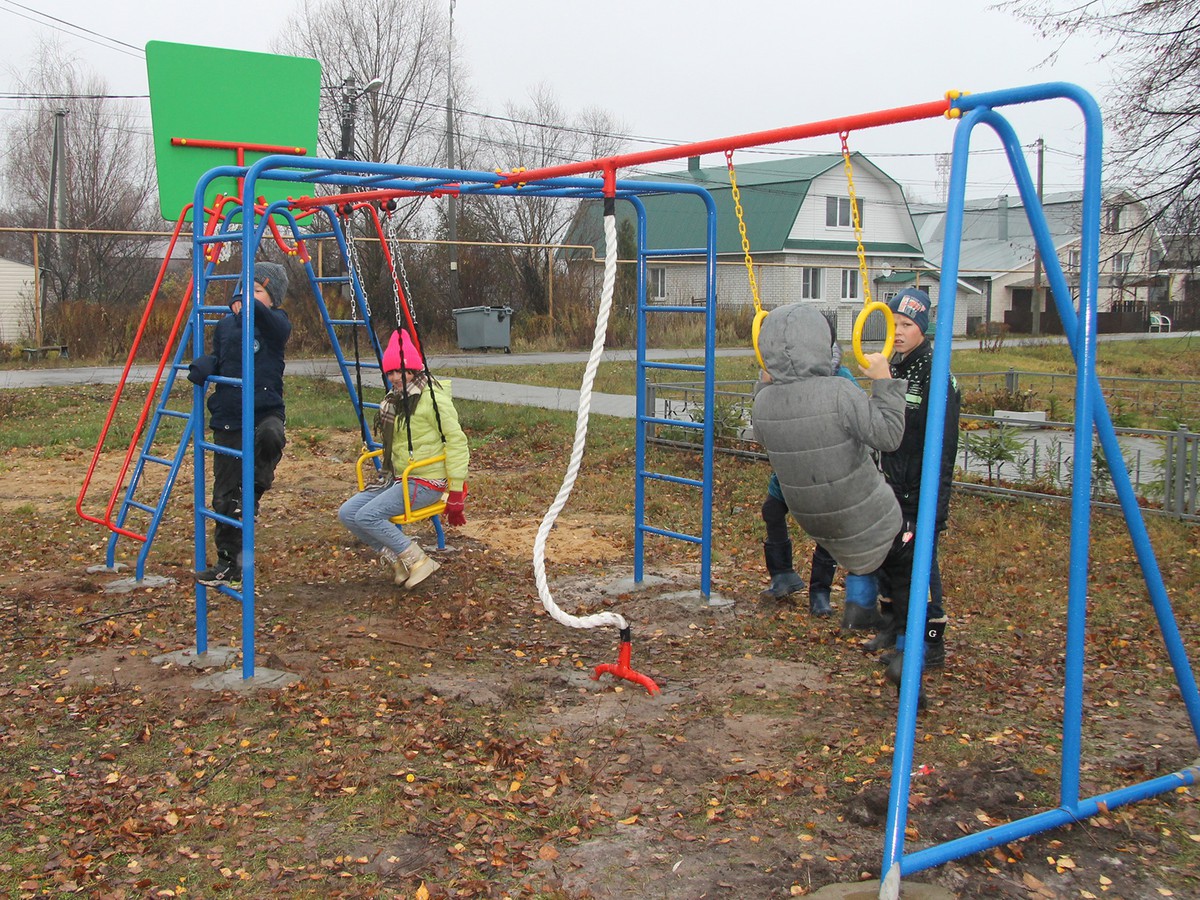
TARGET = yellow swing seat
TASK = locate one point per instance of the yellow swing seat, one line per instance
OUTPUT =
(409, 516)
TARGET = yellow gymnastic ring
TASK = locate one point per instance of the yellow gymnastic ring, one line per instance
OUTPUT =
(858, 330)
(755, 328)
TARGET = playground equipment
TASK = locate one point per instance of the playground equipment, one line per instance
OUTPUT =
(410, 516)
(234, 220)
(869, 306)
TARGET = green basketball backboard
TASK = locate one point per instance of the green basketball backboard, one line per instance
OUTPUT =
(201, 94)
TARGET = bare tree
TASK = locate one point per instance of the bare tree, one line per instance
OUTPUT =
(402, 42)
(539, 134)
(1154, 112)
(108, 181)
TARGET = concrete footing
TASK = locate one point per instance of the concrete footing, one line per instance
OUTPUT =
(125, 585)
(654, 582)
(869, 890)
(232, 680)
(107, 570)
(215, 658)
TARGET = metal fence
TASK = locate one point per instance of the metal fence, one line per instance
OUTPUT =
(1172, 401)
(997, 454)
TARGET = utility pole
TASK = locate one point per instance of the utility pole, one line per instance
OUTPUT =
(55, 209)
(1036, 305)
(451, 200)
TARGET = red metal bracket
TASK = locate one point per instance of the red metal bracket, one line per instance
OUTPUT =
(622, 669)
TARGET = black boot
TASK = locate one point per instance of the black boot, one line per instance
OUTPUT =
(887, 634)
(935, 644)
(784, 580)
(818, 604)
(895, 672)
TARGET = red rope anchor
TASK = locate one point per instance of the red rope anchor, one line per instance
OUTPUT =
(621, 668)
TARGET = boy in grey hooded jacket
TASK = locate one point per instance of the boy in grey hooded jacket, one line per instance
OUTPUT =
(818, 429)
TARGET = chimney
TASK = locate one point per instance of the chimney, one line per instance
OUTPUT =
(1002, 217)
(693, 165)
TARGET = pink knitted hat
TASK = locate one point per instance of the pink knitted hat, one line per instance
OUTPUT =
(400, 347)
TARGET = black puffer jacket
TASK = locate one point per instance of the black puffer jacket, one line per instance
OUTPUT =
(272, 328)
(902, 467)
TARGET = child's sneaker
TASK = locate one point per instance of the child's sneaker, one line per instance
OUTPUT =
(225, 572)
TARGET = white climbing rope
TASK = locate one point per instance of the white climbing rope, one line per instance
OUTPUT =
(581, 426)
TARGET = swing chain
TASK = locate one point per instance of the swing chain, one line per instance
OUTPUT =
(862, 254)
(355, 270)
(737, 207)
(391, 226)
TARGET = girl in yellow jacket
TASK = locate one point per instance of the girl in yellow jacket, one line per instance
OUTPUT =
(417, 420)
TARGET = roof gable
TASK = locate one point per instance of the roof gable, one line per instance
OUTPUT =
(772, 193)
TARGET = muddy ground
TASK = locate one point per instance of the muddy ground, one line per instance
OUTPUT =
(761, 770)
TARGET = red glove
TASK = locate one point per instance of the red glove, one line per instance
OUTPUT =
(456, 503)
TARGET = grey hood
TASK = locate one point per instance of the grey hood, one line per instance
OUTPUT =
(795, 343)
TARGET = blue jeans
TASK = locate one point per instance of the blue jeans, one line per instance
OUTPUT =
(368, 514)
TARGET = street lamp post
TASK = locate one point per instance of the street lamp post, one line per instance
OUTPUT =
(350, 98)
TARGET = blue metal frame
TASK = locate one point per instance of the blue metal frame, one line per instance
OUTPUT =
(128, 502)
(1090, 408)
(644, 366)
(377, 176)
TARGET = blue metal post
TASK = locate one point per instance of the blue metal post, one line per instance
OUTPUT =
(710, 395)
(1083, 346)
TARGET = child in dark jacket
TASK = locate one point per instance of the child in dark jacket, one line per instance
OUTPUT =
(272, 328)
(902, 468)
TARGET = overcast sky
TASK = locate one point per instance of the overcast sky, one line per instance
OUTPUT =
(672, 71)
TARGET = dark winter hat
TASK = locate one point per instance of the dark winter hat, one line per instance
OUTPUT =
(914, 304)
(274, 278)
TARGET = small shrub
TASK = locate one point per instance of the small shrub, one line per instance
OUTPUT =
(984, 402)
(994, 447)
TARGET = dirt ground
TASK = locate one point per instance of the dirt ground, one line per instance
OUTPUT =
(761, 770)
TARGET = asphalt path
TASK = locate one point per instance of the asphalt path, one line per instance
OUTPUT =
(469, 388)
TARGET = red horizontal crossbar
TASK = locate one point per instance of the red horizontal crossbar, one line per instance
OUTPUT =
(359, 196)
(611, 164)
(237, 145)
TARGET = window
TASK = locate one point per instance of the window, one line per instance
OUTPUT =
(837, 212)
(849, 284)
(656, 284)
(810, 283)
(1112, 218)
(1121, 263)
(1072, 260)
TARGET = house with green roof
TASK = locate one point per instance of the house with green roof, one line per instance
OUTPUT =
(800, 227)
